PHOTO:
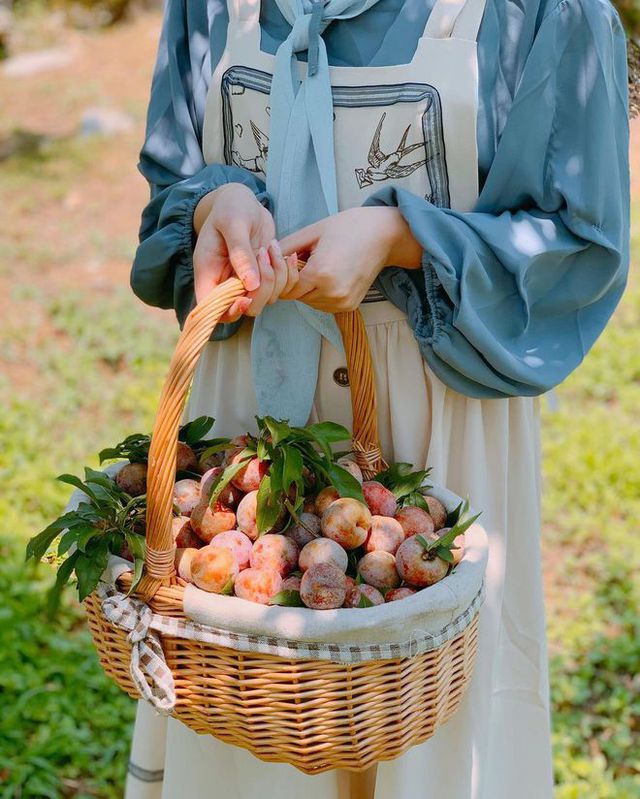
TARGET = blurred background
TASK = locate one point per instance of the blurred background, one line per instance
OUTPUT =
(81, 362)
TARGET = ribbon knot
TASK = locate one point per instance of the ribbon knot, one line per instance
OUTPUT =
(305, 34)
(148, 668)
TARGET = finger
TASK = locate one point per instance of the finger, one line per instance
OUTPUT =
(302, 241)
(293, 274)
(303, 286)
(280, 271)
(237, 238)
(261, 296)
(208, 273)
(237, 310)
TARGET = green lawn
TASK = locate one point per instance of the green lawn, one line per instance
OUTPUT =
(93, 365)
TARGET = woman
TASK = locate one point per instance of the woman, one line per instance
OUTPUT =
(458, 170)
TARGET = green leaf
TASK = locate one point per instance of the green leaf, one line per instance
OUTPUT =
(365, 602)
(225, 477)
(195, 431)
(446, 540)
(136, 544)
(276, 472)
(344, 482)
(218, 445)
(137, 575)
(76, 482)
(456, 513)
(445, 554)
(279, 430)
(423, 542)
(227, 589)
(90, 565)
(268, 507)
(62, 578)
(287, 599)
(401, 481)
(40, 543)
(415, 499)
(292, 468)
(329, 432)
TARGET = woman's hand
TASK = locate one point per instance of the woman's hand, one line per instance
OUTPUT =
(236, 236)
(346, 252)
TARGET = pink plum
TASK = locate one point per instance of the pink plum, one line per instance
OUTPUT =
(209, 522)
(258, 585)
(325, 498)
(354, 596)
(323, 550)
(347, 522)
(250, 476)
(186, 495)
(386, 534)
(380, 500)
(183, 535)
(186, 460)
(437, 511)
(182, 562)
(379, 570)
(399, 593)
(416, 566)
(237, 543)
(352, 467)
(132, 479)
(214, 569)
(291, 583)
(323, 587)
(415, 521)
(230, 495)
(275, 551)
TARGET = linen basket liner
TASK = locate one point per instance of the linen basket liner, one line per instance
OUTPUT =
(154, 680)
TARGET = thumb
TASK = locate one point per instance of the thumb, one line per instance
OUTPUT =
(243, 260)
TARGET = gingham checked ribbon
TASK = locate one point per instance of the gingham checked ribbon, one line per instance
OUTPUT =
(148, 668)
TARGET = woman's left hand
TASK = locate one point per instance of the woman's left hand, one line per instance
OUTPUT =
(346, 252)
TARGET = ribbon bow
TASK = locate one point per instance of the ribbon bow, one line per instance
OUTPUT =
(148, 667)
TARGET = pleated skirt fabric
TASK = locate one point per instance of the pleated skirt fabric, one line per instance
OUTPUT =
(498, 745)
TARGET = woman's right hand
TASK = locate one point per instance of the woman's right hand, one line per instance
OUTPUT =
(236, 235)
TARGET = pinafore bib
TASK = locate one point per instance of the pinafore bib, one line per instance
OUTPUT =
(412, 126)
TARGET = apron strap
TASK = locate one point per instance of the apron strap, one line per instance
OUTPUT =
(455, 19)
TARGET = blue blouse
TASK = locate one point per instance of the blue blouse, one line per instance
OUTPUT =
(512, 295)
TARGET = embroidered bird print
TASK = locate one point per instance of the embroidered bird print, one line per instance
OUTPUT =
(388, 166)
(257, 163)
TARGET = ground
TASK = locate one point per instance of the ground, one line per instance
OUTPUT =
(81, 362)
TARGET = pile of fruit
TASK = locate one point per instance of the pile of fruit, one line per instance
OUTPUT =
(273, 518)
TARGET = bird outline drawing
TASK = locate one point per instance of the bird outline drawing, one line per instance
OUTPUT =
(388, 166)
(256, 163)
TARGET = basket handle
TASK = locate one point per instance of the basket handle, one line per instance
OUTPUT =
(159, 567)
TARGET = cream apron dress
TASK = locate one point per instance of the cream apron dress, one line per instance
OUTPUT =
(413, 125)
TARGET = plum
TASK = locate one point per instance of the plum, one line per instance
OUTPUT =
(379, 570)
(416, 566)
(379, 499)
(354, 596)
(246, 514)
(386, 534)
(305, 530)
(183, 535)
(437, 511)
(229, 496)
(258, 585)
(186, 495)
(415, 521)
(182, 561)
(325, 498)
(399, 593)
(323, 550)
(291, 583)
(214, 569)
(274, 551)
(208, 522)
(132, 479)
(237, 543)
(323, 587)
(347, 522)
(210, 462)
(352, 467)
(250, 476)
(186, 460)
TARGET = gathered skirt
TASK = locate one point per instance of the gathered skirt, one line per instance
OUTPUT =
(498, 745)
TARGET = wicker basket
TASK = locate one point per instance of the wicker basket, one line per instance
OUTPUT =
(313, 714)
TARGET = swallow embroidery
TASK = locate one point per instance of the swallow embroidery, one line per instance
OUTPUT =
(259, 162)
(384, 166)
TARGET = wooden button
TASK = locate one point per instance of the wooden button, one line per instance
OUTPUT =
(341, 376)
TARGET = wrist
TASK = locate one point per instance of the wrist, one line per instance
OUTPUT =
(402, 249)
(210, 201)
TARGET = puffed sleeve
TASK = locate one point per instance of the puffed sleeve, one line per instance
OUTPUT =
(171, 160)
(511, 296)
